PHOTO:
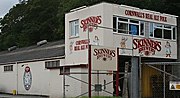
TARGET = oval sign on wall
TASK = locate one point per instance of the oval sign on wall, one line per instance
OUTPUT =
(27, 78)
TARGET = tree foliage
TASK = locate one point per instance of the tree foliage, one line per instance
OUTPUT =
(35, 20)
(29, 22)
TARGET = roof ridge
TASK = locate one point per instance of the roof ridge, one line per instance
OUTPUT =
(25, 51)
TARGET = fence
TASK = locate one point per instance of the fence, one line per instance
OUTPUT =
(156, 81)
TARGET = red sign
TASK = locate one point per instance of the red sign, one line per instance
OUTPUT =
(147, 46)
(81, 45)
(92, 21)
(104, 53)
(145, 15)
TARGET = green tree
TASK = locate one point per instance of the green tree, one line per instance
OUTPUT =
(30, 22)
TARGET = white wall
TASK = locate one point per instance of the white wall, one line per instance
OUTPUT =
(80, 57)
(75, 87)
(107, 37)
(40, 78)
(8, 80)
(56, 84)
(103, 77)
(44, 81)
(120, 10)
(114, 39)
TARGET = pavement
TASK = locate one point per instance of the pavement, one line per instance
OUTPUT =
(20, 96)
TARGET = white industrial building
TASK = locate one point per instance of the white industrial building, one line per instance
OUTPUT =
(134, 32)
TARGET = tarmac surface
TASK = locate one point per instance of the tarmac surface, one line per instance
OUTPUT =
(20, 96)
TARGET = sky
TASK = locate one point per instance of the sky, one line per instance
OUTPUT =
(6, 5)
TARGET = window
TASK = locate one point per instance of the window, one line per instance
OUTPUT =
(142, 28)
(74, 28)
(167, 32)
(158, 30)
(8, 68)
(134, 29)
(151, 30)
(126, 26)
(158, 25)
(122, 25)
(167, 26)
(123, 19)
(114, 24)
(134, 21)
(122, 28)
(52, 64)
(174, 32)
(162, 31)
(66, 70)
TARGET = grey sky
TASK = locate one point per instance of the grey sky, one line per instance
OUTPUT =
(6, 5)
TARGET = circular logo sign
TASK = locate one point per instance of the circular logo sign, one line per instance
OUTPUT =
(27, 78)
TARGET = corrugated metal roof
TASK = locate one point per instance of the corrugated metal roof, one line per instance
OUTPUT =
(49, 50)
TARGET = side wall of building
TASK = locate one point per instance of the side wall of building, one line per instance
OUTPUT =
(176, 68)
(8, 79)
(39, 77)
(76, 83)
(31, 78)
(56, 84)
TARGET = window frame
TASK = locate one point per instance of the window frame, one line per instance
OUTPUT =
(170, 29)
(124, 22)
(174, 32)
(128, 22)
(67, 69)
(52, 64)
(155, 26)
(137, 28)
(73, 27)
(151, 27)
(173, 36)
(144, 28)
(8, 68)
